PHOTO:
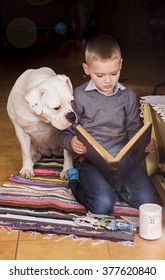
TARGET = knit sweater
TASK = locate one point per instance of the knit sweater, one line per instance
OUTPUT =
(111, 119)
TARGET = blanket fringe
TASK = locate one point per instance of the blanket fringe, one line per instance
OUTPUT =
(98, 242)
(128, 243)
(73, 237)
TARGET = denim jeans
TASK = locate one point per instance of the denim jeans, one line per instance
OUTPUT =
(94, 192)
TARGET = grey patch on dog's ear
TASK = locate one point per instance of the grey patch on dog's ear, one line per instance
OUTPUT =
(34, 100)
(66, 79)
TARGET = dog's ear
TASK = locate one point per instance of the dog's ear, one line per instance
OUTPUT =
(67, 80)
(34, 100)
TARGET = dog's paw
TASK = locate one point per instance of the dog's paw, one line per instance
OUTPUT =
(63, 175)
(26, 173)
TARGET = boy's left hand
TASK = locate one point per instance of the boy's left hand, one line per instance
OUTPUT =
(151, 147)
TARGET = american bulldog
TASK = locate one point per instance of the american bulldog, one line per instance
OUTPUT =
(40, 103)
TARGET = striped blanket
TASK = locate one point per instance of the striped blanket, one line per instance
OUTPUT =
(44, 203)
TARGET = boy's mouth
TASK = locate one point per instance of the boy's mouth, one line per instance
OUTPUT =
(108, 86)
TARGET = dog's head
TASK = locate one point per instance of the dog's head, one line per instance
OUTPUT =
(52, 100)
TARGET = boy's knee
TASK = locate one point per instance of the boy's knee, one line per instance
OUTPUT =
(102, 205)
(148, 198)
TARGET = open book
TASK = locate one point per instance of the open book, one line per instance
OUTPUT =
(116, 170)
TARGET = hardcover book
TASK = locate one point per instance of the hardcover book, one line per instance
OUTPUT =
(116, 170)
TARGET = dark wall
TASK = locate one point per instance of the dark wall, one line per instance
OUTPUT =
(129, 21)
(78, 17)
(42, 15)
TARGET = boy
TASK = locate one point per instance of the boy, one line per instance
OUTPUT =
(109, 111)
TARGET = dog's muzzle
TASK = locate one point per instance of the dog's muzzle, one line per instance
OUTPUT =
(71, 117)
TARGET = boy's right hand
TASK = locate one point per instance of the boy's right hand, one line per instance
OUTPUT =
(77, 146)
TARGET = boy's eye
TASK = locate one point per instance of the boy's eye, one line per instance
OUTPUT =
(99, 76)
(114, 74)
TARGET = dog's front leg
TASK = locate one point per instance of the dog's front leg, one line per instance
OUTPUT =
(68, 163)
(25, 143)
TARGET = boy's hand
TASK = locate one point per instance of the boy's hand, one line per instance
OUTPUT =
(151, 147)
(77, 146)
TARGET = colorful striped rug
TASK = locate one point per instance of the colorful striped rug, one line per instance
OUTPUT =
(44, 203)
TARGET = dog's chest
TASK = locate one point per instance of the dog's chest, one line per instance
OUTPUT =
(38, 128)
(43, 138)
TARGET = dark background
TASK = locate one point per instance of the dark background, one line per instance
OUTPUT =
(131, 22)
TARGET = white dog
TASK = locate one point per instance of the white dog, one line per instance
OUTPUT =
(39, 104)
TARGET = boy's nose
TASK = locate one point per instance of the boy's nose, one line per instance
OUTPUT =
(107, 79)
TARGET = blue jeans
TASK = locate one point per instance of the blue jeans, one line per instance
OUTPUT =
(94, 192)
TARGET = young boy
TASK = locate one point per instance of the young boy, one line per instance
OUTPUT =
(109, 111)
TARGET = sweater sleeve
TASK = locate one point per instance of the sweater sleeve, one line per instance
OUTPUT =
(64, 138)
(132, 117)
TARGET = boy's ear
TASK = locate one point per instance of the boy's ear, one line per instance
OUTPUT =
(86, 69)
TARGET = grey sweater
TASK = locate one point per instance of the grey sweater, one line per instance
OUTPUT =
(111, 119)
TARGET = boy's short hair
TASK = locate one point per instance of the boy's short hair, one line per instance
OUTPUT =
(102, 47)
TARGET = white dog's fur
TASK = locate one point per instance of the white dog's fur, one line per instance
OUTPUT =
(39, 104)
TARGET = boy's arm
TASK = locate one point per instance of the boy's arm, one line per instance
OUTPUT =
(64, 138)
(132, 119)
(68, 141)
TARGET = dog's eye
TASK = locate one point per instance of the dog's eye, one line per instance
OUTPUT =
(57, 108)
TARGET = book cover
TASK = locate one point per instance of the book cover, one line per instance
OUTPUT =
(116, 170)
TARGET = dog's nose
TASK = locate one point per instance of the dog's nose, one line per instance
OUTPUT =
(71, 117)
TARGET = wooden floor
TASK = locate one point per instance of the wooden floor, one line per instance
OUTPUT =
(26, 246)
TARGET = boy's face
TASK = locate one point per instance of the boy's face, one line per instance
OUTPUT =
(104, 73)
